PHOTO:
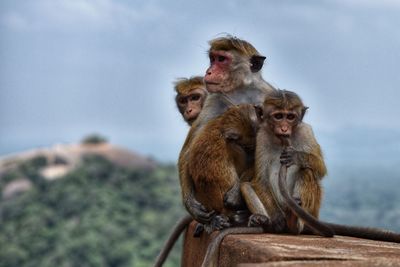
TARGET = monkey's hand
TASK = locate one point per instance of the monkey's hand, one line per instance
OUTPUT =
(288, 157)
(276, 224)
(198, 211)
(218, 222)
(233, 198)
(258, 220)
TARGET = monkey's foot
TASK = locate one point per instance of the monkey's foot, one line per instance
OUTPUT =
(278, 224)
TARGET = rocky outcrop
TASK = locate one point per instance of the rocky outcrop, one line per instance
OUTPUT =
(288, 250)
(72, 154)
(61, 159)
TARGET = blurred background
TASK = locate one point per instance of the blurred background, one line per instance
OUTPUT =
(86, 94)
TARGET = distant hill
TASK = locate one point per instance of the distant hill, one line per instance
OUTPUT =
(107, 207)
(59, 160)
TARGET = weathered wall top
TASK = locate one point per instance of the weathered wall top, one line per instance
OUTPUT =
(289, 250)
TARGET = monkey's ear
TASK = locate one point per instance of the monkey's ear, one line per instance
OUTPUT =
(303, 112)
(259, 112)
(231, 134)
(257, 63)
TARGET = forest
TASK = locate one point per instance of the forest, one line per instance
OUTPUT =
(101, 214)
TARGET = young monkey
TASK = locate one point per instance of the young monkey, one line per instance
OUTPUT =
(283, 112)
(191, 94)
(289, 168)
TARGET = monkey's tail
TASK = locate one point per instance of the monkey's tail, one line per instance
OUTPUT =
(365, 232)
(317, 226)
(212, 254)
(176, 231)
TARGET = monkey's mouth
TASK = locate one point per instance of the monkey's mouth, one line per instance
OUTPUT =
(283, 136)
(211, 83)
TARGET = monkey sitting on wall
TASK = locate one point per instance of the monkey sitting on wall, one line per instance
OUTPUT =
(283, 112)
(191, 94)
(222, 156)
(234, 77)
(289, 168)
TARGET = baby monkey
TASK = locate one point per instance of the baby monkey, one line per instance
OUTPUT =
(283, 112)
(289, 168)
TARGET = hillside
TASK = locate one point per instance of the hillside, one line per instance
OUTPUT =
(99, 213)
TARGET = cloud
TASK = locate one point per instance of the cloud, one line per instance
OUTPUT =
(385, 4)
(64, 15)
(15, 21)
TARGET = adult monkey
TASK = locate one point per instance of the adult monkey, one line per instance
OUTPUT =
(233, 77)
(190, 96)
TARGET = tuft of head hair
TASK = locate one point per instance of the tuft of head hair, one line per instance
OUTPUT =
(284, 99)
(233, 43)
(185, 85)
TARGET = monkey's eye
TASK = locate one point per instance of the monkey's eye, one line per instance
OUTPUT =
(291, 117)
(221, 58)
(195, 97)
(278, 116)
(212, 59)
(182, 100)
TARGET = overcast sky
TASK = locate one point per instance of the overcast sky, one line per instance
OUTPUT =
(71, 68)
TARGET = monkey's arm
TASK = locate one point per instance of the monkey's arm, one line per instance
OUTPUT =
(194, 207)
(252, 200)
(306, 152)
(264, 209)
(305, 160)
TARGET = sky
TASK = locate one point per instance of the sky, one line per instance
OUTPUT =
(69, 68)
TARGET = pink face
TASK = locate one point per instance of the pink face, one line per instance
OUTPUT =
(218, 74)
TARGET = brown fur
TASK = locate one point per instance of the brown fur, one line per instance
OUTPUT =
(230, 43)
(185, 85)
(217, 163)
